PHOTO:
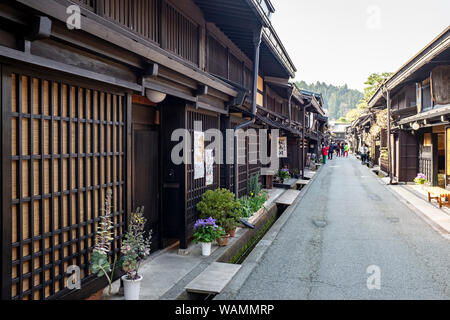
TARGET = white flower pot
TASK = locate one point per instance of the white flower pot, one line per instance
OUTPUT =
(206, 249)
(132, 288)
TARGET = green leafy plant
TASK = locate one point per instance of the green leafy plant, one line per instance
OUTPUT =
(206, 231)
(136, 246)
(420, 179)
(246, 207)
(284, 174)
(99, 262)
(254, 186)
(220, 205)
(252, 204)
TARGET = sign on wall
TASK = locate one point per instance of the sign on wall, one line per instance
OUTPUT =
(282, 147)
(199, 155)
(209, 162)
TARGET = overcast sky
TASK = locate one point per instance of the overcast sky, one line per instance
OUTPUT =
(343, 41)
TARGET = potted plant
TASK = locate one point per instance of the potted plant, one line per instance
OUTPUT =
(284, 174)
(223, 240)
(135, 249)
(421, 179)
(205, 232)
(99, 262)
(221, 205)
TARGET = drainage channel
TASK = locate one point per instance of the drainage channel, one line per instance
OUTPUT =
(239, 255)
(245, 251)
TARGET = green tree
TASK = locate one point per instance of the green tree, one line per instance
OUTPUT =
(372, 84)
(337, 99)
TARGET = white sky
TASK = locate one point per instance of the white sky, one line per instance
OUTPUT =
(344, 41)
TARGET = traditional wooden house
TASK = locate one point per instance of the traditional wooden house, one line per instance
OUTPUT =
(91, 96)
(417, 98)
(315, 124)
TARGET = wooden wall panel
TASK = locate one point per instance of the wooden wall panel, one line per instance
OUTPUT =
(67, 148)
(196, 188)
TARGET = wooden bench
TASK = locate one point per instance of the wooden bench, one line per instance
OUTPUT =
(438, 193)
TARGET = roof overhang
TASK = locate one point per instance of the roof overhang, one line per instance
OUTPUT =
(435, 51)
(238, 20)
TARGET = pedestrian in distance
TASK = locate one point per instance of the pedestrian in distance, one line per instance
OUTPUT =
(346, 148)
(324, 153)
(363, 151)
(339, 150)
(330, 151)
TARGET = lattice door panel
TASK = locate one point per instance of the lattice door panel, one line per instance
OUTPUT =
(67, 149)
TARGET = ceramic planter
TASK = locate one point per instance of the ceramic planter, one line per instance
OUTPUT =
(232, 233)
(132, 288)
(223, 242)
(206, 249)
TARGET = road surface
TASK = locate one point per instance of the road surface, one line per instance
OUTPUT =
(347, 229)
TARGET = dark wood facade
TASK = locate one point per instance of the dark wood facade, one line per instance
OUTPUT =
(75, 116)
(416, 97)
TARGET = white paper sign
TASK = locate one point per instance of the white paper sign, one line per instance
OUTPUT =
(282, 147)
(199, 155)
(209, 162)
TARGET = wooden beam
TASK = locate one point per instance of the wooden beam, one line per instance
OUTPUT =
(27, 58)
(103, 29)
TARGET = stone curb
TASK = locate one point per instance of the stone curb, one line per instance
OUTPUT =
(232, 289)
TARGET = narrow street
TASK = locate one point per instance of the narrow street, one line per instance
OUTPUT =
(346, 222)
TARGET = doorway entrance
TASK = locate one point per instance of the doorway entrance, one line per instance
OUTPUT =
(145, 169)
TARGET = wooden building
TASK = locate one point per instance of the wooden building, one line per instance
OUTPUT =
(90, 109)
(417, 98)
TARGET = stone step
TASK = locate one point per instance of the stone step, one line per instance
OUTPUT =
(288, 197)
(213, 279)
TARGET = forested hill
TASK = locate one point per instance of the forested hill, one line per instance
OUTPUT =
(338, 100)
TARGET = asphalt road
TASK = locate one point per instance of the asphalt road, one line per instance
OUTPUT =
(346, 223)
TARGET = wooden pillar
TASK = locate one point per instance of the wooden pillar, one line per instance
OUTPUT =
(5, 174)
(303, 141)
(388, 101)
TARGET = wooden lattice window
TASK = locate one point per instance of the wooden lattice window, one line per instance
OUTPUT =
(88, 4)
(181, 34)
(217, 58)
(140, 16)
(236, 70)
(67, 149)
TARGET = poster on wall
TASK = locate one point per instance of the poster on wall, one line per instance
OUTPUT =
(209, 162)
(199, 155)
(282, 147)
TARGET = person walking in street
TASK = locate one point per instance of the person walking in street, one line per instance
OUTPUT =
(363, 152)
(324, 153)
(346, 148)
(330, 151)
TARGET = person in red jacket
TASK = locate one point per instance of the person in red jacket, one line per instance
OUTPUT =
(325, 150)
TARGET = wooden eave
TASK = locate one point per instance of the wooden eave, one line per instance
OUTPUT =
(104, 29)
(432, 50)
